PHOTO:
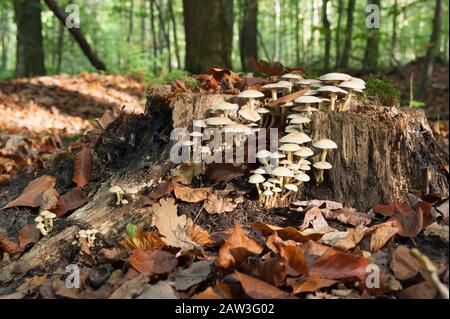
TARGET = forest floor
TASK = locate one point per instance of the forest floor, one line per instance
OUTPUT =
(41, 123)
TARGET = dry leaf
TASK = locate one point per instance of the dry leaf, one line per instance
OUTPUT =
(191, 195)
(161, 190)
(237, 248)
(294, 259)
(31, 196)
(286, 233)
(217, 204)
(4, 179)
(49, 199)
(28, 235)
(185, 172)
(194, 274)
(199, 236)
(403, 264)
(437, 230)
(258, 289)
(273, 270)
(318, 223)
(152, 261)
(423, 290)
(71, 200)
(131, 288)
(209, 293)
(309, 283)
(143, 240)
(161, 290)
(379, 235)
(344, 240)
(347, 215)
(223, 172)
(174, 228)
(7, 245)
(83, 167)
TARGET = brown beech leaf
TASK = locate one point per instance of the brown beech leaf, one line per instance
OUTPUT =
(318, 223)
(4, 179)
(31, 196)
(191, 195)
(261, 66)
(391, 208)
(344, 240)
(217, 204)
(425, 209)
(337, 264)
(273, 243)
(185, 172)
(309, 283)
(161, 190)
(29, 234)
(381, 234)
(273, 270)
(347, 215)
(285, 233)
(409, 223)
(143, 240)
(237, 248)
(258, 289)
(294, 259)
(194, 274)
(7, 245)
(71, 200)
(313, 250)
(223, 172)
(199, 235)
(423, 290)
(83, 167)
(403, 264)
(286, 99)
(107, 118)
(208, 293)
(152, 261)
(49, 199)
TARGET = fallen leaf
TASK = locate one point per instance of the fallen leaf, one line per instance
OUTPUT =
(347, 215)
(286, 99)
(199, 236)
(390, 209)
(237, 248)
(258, 289)
(217, 204)
(321, 203)
(174, 228)
(142, 240)
(7, 245)
(131, 288)
(423, 290)
(29, 234)
(161, 190)
(50, 199)
(107, 118)
(318, 223)
(309, 283)
(223, 172)
(313, 250)
(437, 230)
(294, 259)
(152, 261)
(194, 274)
(31, 196)
(208, 293)
(30, 285)
(273, 270)
(261, 66)
(83, 167)
(71, 200)
(344, 240)
(4, 179)
(191, 195)
(286, 233)
(185, 172)
(337, 264)
(161, 290)
(379, 235)
(403, 264)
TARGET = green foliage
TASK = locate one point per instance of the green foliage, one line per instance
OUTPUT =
(384, 90)
(131, 230)
(175, 75)
(416, 104)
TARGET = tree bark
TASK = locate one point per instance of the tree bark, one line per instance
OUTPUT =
(30, 48)
(427, 67)
(77, 35)
(371, 52)
(209, 33)
(337, 35)
(392, 57)
(249, 32)
(130, 22)
(327, 39)
(4, 29)
(297, 33)
(348, 35)
(165, 34)
(154, 40)
(175, 36)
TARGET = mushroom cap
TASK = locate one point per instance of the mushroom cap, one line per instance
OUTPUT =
(291, 187)
(218, 121)
(277, 190)
(256, 179)
(199, 123)
(307, 99)
(305, 161)
(335, 76)
(282, 172)
(262, 110)
(116, 189)
(267, 193)
(82, 233)
(249, 115)
(305, 167)
(263, 154)
(297, 138)
(188, 143)
(308, 81)
(287, 84)
(311, 92)
(294, 115)
(322, 165)
(250, 94)
(289, 147)
(331, 89)
(39, 219)
(304, 152)
(277, 86)
(294, 167)
(352, 85)
(358, 80)
(325, 144)
(40, 226)
(236, 128)
(302, 177)
(299, 120)
(225, 106)
(196, 134)
(305, 108)
(259, 170)
(292, 129)
(267, 184)
(285, 162)
(292, 76)
(274, 181)
(91, 231)
(46, 214)
(277, 155)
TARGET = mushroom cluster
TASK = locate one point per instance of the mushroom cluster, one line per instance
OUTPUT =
(88, 235)
(44, 222)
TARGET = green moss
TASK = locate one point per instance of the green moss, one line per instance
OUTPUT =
(175, 75)
(384, 90)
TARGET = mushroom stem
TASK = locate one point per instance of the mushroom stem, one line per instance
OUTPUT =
(347, 100)
(119, 197)
(319, 176)
(323, 156)
(333, 101)
(308, 109)
(283, 116)
(252, 103)
(259, 191)
(274, 94)
(286, 196)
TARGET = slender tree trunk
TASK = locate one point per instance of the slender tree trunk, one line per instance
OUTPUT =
(209, 33)
(165, 34)
(130, 22)
(297, 33)
(143, 15)
(348, 35)
(249, 32)
(371, 53)
(4, 29)
(175, 37)
(77, 35)
(427, 67)
(59, 47)
(392, 57)
(153, 32)
(327, 39)
(337, 35)
(30, 48)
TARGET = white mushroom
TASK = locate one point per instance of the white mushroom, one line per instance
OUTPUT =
(251, 96)
(333, 91)
(324, 145)
(257, 179)
(321, 166)
(119, 193)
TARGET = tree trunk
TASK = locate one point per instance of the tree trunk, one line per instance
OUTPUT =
(4, 29)
(77, 35)
(337, 35)
(30, 48)
(59, 47)
(165, 34)
(209, 34)
(371, 51)
(143, 15)
(327, 39)
(427, 67)
(348, 36)
(175, 37)
(130, 22)
(153, 32)
(297, 33)
(392, 57)
(249, 32)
